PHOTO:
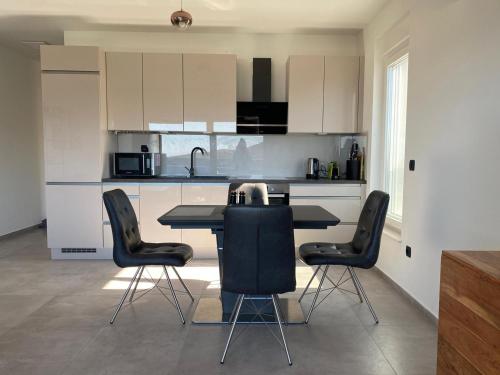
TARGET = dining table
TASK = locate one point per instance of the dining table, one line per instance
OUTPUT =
(217, 309)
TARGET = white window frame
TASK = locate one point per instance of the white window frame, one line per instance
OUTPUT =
(392, 56)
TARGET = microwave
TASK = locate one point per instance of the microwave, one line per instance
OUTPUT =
(136, 164)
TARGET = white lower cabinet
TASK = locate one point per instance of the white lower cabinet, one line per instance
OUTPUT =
(202, 240)
(157, 199)
(344, 201)
(132, 191)
(337, 234)
(74, 216)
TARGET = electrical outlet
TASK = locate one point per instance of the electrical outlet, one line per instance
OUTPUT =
(408, 251)
(412, 165)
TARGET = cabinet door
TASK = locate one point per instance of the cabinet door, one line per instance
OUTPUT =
(163, 92)
(337, 234)
(74, 216)
(305, 94)
(157, 199)
(202, 240)
(71, 58)
(124, 90)
(71, 125)
(340, 114)
(209, 93)
(347, 209)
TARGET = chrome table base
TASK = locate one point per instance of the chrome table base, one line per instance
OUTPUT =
(209, 311)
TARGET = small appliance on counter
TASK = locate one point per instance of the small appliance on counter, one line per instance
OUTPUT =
(353, 164)
(333, 171)
(312, 171)
(136, 164)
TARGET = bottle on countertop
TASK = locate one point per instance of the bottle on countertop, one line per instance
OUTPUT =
(363, 164)
(232, 198)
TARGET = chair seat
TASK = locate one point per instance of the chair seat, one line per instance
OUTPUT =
(167, 254)
(325, 253)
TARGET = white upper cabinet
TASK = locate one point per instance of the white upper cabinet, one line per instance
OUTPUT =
(162, 92)
(323, 94)
(340, 112)
(71, 58)
(124, 91)
(72, 127)
(209, 93)
(305, 94)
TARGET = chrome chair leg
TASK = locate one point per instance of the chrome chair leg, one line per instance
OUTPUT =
(355, 285)
(174, 296)
(182, 282)
(280, 311)
(124, 296)
(356, 280)
(238, 308)
(136, 284)
(277, 312)
(309, 283)
(317, 293)
(234, 309)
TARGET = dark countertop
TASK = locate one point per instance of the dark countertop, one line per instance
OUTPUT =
(214, 179)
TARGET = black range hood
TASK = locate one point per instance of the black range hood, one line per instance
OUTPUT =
(261, 116)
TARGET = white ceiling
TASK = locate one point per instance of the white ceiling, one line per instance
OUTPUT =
(47, 19)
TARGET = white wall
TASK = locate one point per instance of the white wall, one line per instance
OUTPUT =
(245, 46)
(453, 132)
(20, 142)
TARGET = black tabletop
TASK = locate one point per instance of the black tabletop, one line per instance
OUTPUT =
(212, 217)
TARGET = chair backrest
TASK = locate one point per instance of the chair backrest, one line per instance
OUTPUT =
(255, 193)
(259, 250)
(368, 233)
(126, 236)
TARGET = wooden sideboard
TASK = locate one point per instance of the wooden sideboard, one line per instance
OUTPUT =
(469, 313)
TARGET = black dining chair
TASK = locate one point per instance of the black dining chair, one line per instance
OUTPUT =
(361, 252)
(255, 193)
(130, 251)
(259, 258)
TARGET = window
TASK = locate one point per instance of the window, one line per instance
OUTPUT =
(395, 131)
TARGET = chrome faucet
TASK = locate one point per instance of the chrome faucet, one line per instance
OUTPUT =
(193, 151)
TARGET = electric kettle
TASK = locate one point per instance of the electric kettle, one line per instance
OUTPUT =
(312, 171)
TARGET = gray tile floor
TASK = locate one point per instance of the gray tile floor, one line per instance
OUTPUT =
(54, 320)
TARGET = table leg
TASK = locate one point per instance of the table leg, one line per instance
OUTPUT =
(212, 310)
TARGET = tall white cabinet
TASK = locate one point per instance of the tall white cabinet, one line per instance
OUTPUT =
(76, 146)
(73, 114)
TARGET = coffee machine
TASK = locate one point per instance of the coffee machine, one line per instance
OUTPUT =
(312, 171)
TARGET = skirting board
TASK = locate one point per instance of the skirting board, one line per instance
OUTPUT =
(17, 232)
(410, 298)
(57, 254)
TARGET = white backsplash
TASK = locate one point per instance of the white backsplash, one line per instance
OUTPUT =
(242, 155)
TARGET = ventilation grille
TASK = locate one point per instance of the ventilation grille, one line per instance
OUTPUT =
(77, 250)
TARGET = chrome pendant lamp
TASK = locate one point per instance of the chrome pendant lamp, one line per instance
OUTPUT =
(181, 19)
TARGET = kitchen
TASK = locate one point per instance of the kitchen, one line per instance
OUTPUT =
(152, 101)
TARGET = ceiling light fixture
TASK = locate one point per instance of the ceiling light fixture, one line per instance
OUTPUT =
(181, 19)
